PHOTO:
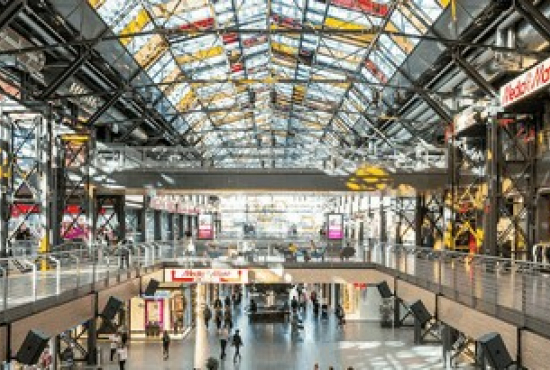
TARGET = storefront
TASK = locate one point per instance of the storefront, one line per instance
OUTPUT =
(170, 309)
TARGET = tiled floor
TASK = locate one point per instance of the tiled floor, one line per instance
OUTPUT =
(272, 347)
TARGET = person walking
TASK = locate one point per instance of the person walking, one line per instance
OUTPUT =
(207, 315)
(219, 318)
(340, 314)
(114, 339)
(227, 302)
(237, 343)
(228, 320)
(166, 345)
(122, 356)
(294, 304)
(224, 337)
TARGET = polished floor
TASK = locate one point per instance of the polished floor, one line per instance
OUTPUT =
(362, 345)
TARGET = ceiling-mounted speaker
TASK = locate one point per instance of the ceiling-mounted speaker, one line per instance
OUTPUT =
(32, 347)
(494, 350)
(420, 312)
(384, 289)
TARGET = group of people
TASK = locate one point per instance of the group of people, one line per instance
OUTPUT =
(224, 324)
(119, 348)
(317, 367)
(299, 303)
(307, 252)
(223, 317)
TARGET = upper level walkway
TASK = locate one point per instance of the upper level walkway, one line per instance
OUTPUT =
(475, 294)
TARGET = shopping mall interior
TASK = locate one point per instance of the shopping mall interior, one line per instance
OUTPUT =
(274, 184)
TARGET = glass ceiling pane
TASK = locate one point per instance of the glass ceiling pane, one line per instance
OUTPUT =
(263, 102)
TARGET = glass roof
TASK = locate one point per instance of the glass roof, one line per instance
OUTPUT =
(256, 74)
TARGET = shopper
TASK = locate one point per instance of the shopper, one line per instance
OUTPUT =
(122, 356)
(46, 358)
(253, 306)
(340, 314)
(114, 339)
(227, 302)
(217, 303)
(219, 319)
(165, 344)
(316, 367)
(228, 320)
(294, 304)
(224, 337)
(207, 315)
(237, 343)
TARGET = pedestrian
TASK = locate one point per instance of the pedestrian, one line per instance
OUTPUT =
(227, 301)
(219, 319)
(46, 358)
(313, 296)
(224, 337)
(165, 344)
(122, 355)
(294, 304)
(217, 303)
(340, 314)
(114, 339)
(228, 320)
(207, 315)
(237, 343)
(316, 367)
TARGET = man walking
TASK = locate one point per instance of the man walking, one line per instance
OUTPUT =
(224, 337)
(237, 343)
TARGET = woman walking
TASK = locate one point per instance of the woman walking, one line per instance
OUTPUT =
(165, 344)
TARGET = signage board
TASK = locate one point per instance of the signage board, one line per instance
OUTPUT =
(206, 226)
(526, 84)
(217, 276)
(335, 225)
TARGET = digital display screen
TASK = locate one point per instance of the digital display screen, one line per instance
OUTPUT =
(335, 226)
(206, 226)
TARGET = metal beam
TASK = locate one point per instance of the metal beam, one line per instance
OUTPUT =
(9, 12)
(474, 75)
(108, 104)
(65, 75)
(256, 31)
(534, 16)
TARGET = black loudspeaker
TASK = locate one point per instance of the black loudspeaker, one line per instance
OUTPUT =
(495, 351)
(151, 288)
(32, 347)
(420, 312)
(111, 308)
(384, 289)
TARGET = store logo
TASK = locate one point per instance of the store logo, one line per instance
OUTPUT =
(528, 83)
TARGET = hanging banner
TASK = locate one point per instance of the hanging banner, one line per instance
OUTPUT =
(526, 84)
(206, 226)
(335, 226)
(217, 276)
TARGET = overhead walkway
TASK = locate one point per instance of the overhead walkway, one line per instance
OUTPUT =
(474, 294)
(62, 290)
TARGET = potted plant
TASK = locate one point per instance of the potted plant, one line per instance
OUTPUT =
(212, 363)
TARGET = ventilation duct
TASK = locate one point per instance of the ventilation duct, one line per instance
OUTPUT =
(31, 62)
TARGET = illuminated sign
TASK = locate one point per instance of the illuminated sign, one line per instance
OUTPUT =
(227, 276)
(206, 226)
(335, 226)
(526, 84)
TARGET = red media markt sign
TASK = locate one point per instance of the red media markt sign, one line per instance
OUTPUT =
(526, 84)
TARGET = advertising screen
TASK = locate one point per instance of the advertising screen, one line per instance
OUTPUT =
(206, 226)
(335, 224)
